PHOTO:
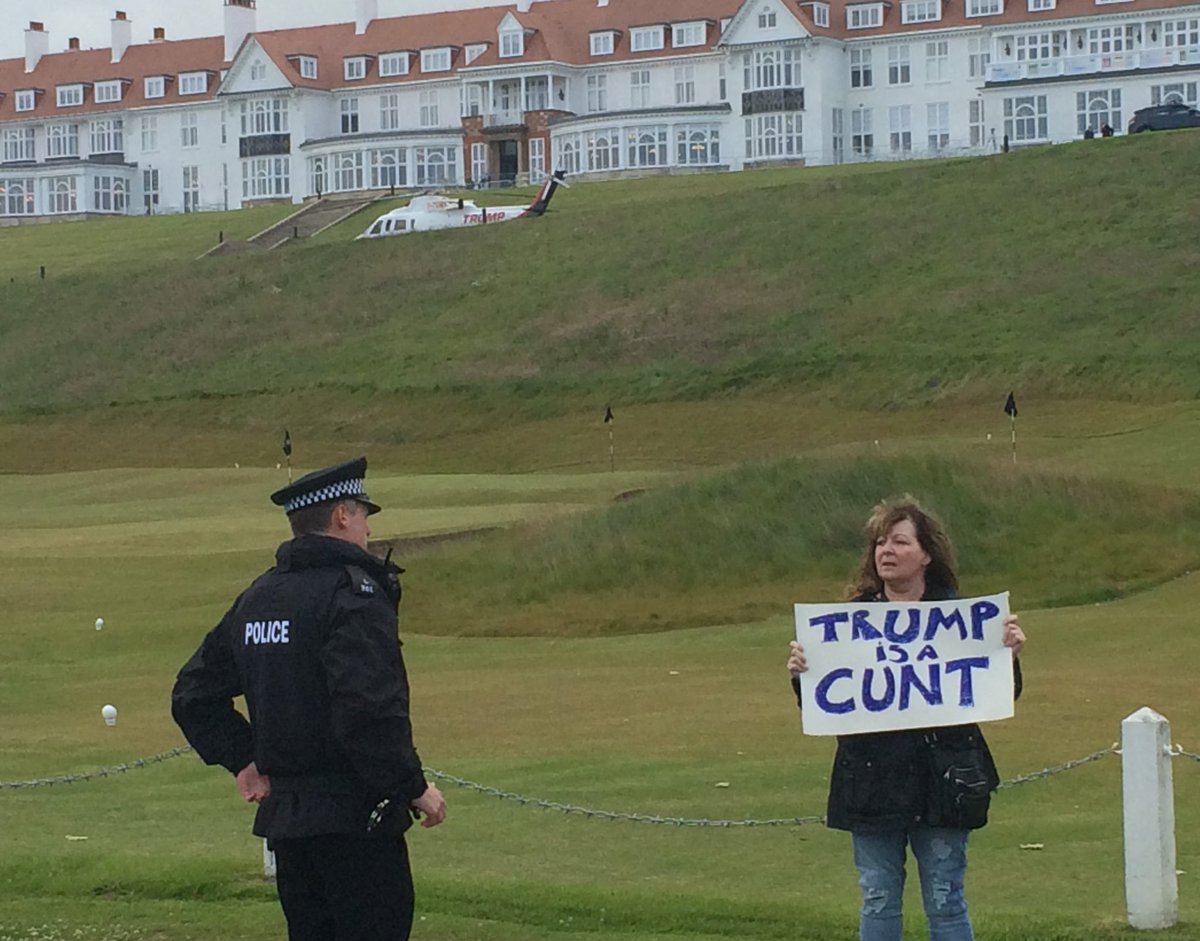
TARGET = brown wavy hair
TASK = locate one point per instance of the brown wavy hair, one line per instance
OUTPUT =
(931, 534)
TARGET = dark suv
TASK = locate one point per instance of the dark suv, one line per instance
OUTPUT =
(1163, 118)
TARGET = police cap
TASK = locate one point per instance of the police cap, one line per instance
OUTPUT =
(340, 482)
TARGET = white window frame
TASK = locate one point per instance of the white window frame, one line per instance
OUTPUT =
(258, 70)
(429, 108)
(774, 67)
(766, 18)
(155, 86)
(69, 96)
(860, 67)
(597, 93)
(389, 112)
(26, 100)
(435, 60)
(697, 145)
(537, 159)
(639, 89)
(19, 197)
(479, 163)
(647, 146)
(512, 44)
(899, 64)
(862, 133)
(984, 7)
(349, 114)
(821, 14)
(261, 116)
(189, 129)
(977, 122)
(1180, 93)
(1019, 110)
(308, 67)
(62, 140)
(20, 145)
(193, 83)
(603, 44)
(108, 136)
(354, 68)
(937, 125)
(63, 196)
(979, 56)
(1181, 33)
(191, 189)
(937, 61)
(392, 64)
(1041, 6)
(685, 85)
(920, 11)
(900, 129)
(864, 15)
(266, 177)
(1097, 106)
(105, 92)
(646, 38)
(443, 159)
(473, 51)
(775, 136)
(603, 147)
(149, 128)
(684, 35)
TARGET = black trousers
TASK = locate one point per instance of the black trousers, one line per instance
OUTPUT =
(345, 888)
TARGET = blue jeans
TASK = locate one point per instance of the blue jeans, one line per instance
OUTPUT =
(941, 861)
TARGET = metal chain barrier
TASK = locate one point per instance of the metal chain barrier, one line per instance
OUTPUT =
(98, 773)
(541, 804)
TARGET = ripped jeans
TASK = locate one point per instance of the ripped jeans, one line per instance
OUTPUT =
(941, 861)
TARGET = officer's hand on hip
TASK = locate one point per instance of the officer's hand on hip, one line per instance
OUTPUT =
(253, 786)
(432, 806)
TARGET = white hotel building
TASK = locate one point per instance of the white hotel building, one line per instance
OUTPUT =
(595, 87)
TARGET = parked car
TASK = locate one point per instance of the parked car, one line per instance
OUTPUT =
(1163, 118)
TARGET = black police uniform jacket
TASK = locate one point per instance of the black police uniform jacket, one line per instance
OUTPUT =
(312, 644)
(884, 781)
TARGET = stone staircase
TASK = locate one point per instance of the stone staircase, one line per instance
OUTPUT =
(315, 217)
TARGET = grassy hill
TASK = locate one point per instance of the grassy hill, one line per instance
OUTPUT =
(1069, 270)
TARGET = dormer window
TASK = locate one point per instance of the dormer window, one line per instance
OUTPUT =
(70, 95)
(866, 15)
(193, 83)
(985, 7)
(108, 92)
(156, 86)
(687, 34)
(821, 14)
(473, 52)
(308, 67)
(512, 44)
(435, 60)
(26, 100)
(603, 43)
(646, 38)
(355, 68)
(920, 11)
(766, 18)
(392, 64)
(725, 21)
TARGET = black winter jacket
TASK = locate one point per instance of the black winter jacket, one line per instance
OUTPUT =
(881, 780)
(312, 644)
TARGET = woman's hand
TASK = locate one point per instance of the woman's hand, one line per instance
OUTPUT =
(797, 663)
(1014, 637)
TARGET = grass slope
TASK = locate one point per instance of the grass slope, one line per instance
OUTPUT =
(898, 285)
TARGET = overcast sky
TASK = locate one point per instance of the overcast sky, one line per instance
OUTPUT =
(183, 19)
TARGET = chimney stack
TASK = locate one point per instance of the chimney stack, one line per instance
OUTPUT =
(122, 35)
(73, 44)
(364, 12)
(240, 22)
(160, 34)
(37, 44)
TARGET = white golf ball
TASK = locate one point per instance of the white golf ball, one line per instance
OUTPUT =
(99, 624)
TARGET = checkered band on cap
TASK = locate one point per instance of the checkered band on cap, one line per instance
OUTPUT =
(340, 490)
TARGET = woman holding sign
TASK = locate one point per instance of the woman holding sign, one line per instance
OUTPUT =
(919, 788)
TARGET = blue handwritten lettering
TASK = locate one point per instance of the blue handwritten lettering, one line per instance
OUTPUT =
(864, 629)
(981, 611)
(931, 693)
(939, 619)
(822, 692)
(889, 695)
(966, 694)
(928, 652)
(906, 636)
(829, 622)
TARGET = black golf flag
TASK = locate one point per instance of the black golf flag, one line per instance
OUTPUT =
(1010, 407)
(287, 443)
(608, 415)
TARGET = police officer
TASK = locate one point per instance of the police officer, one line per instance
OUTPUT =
(327, 751)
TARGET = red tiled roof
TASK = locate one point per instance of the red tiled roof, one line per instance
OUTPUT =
(96, 65)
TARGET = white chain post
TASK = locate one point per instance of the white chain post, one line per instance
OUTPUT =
(1151, 884)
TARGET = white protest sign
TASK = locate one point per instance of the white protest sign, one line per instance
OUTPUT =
(881, 666)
